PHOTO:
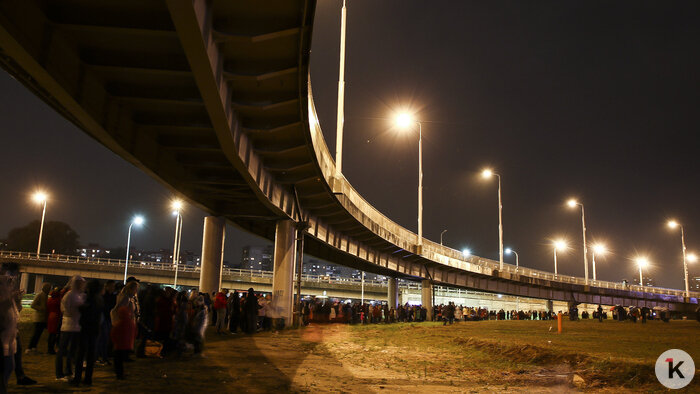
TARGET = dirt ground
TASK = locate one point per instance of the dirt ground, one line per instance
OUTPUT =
(406, 358)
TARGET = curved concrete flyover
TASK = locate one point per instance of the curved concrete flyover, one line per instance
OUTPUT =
(211, 98)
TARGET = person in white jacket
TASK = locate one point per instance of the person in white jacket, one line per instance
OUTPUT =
(70, 327)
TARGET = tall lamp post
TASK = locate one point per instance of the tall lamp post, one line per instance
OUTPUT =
(642, 262)
(487, 173)
(441, 234)
(600, 250)
(404, 121)
(137, 220)
(341, 97)
(511, 251)
(559, 245)
(177, 206)
(40, 198)
(572, 204)
(674, 224)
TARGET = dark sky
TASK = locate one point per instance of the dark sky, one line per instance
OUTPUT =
(593, 99)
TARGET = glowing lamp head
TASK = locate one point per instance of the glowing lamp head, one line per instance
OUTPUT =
(39, 197)
(600, 249)
(138, 220)
(176, 205)
(642, 262)
(672, 224)
(560, 245)
(692, 257)
(487, 173)
(572, 203)
(404, 120)
(466, 252)
(508, 250)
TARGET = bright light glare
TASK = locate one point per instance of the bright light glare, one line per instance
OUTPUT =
(39, 197)
(572, 203)
(138, 220)
(176, 205)
(672, 224)
(508, 250)
(560, 245)
(404, 120)
(642, 262)
(466, 252)
(487, 173)
(600, 249)
(692, 257)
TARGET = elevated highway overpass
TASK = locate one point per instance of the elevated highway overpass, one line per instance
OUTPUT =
(212, 98)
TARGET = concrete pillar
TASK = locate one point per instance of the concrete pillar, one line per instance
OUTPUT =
(38, 283)
(212, 254)
(426, 298)
(393, 294)
(24, 281)
(549, 306)
(283, 271)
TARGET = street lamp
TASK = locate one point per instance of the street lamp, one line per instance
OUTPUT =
(511, 251)
(559, 245)
(674, 224)
(692, 257)
(642, 262)
(488, 173)
(137, 220)
(441, 234)
(404, 121)
(466, 252)
(572, 203)
(40, 198)
(600, 250)
(341, 97)
(177, 206)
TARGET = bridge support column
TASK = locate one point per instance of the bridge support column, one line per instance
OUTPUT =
(426, 297)
(283, 271)
(38, 283)
(212, 254)
(24, 281)
(393, 293)
(550, 306)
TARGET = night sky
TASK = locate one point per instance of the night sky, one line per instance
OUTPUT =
(592, 99)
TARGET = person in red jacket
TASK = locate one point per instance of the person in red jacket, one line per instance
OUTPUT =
(123, 327)
(220, 308)
(53, 321)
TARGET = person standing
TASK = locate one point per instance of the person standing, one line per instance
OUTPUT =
(40, 315)
(251, 311)
(234, 311)
(220, 310)
(70, 327)
(109, 299)
(90, 320)
(123, 326)
(53, 321)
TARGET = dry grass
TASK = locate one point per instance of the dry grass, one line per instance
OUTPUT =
(521, 356)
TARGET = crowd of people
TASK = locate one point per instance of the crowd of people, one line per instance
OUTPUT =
(91, 323)
(101, 324)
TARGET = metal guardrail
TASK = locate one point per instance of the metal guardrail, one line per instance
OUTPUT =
(48, 257)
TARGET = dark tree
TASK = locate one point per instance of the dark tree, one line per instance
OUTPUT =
(58, 238)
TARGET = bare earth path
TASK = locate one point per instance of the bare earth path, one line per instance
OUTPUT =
(408, 358)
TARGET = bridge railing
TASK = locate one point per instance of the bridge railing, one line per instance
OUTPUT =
(471, 263)
(168, 266)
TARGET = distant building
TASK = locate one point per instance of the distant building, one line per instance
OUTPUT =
(257, 258)
(94, 250)
(647, 281)
(694, 283)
